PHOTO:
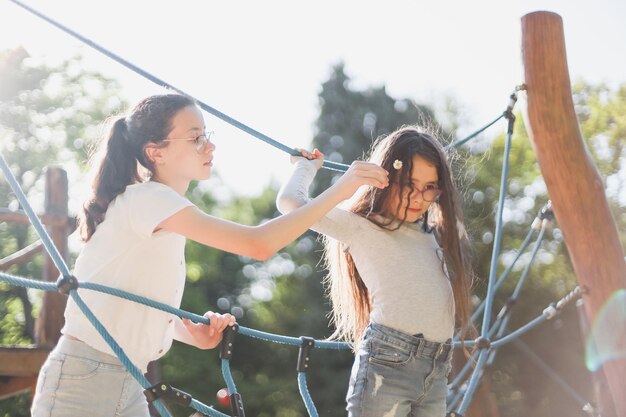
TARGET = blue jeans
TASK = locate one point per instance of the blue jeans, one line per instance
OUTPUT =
(398, 375)
(77, 381)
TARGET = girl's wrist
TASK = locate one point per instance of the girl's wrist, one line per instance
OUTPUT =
(307, 164)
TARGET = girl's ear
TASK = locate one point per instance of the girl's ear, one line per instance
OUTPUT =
(153, 153)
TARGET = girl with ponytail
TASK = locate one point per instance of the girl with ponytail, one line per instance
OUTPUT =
(397, 276)
(135, 225)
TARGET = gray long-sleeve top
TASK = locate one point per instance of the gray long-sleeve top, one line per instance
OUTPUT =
(401, 269)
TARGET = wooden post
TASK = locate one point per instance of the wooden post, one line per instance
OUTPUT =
(50, 320)
(574, 185)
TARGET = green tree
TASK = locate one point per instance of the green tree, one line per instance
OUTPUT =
(351, 120)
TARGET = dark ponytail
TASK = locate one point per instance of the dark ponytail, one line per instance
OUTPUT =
(123, 148)
(117, 169)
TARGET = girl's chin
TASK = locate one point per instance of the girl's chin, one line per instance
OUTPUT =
(203, 176)
(413, 215)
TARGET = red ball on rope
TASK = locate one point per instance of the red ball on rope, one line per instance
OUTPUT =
(223, 397)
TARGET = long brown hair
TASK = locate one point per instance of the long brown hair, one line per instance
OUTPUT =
(121, 153)
(348, 294)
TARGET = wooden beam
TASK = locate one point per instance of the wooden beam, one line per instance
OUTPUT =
(21, 255)
(17, 385)
(22, 360)
(20, 217)
(576, 189)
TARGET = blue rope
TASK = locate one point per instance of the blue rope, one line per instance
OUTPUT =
(506, 272)
(528, 326)
(498, 238)
(455, 400)
(132, 369)
(485, 331)
(119, 352)
(62, 266)
(29, 283)
(533, 255)
(468, 364)
(294, 341)
(205, 409)
(501, 322)
(228, 377)
(547, 314)
(518, 287)
(501, 279)
(304, 392)
(56, 257)
(473, 384)
(49, 286)
(499, 327)
(335, 166)
(459, 377)
(462, 141)
(484, 353)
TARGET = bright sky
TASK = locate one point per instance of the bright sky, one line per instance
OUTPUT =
(263, 62)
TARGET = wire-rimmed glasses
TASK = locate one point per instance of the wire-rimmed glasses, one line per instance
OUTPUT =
(430, 193)
(199, 141)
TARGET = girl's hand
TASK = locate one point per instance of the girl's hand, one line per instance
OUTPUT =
(316, 156)
(209, 336)
(361, 173)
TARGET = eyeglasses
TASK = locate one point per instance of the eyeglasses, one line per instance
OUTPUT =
(199, 141)
(430, 193)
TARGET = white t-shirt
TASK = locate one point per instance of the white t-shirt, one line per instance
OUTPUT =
(402, 269)
(124, 253)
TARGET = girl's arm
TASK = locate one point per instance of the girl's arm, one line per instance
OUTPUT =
(262, 241)
(338, 224)
(294, 193)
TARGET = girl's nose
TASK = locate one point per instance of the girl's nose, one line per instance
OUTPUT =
(209, 147)
(417, 196)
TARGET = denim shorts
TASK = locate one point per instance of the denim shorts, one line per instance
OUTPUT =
(398, 375)
(77, 381)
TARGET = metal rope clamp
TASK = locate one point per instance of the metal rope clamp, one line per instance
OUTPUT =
(236, 405)
(167, 392)
(66, 283)
(228, 340)
(304, 353)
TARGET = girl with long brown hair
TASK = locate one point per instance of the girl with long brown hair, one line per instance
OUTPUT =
(397, 278)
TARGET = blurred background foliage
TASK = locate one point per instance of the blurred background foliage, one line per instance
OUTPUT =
(52, 115)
